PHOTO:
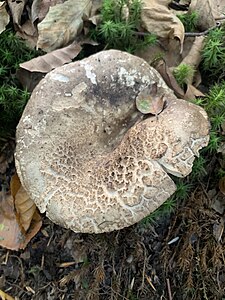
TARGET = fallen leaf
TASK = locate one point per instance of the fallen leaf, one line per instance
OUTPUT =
(28, 32)
(218, 9)
(222, 185)
(46, 63)
(157, 18)
(62, 24)
(32, 71)
(218, 203)
(205, 15)
(16, 8)
(168, 77)
(148, 103)
(95, 16)
(193, 58)
(4, 16)
(29, 79)
(5, 296)
(192, 92)
(40, 8)
(19, 218)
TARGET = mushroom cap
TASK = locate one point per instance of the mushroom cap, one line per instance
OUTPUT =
(89, 159)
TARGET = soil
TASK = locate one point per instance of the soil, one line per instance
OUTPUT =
(180, 256)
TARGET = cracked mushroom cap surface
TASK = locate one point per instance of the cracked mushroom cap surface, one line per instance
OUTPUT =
(89, 159)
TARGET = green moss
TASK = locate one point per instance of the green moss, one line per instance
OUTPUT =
(13, 98)
(120, 22)
(189, 21)
(213, 53)
(183, 74)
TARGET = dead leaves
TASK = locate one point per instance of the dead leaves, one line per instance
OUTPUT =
(31, 72)
(5, 296)
(148, 103)
(4, 17)
(16, 8)
(19, 218)
(159, 19)
(59, 28)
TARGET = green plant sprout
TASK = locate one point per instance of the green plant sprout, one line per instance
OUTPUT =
(183, 74)
(189, 20)
(120, 21)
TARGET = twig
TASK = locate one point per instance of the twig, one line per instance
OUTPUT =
(203, 32)
(150, 282)
(169, 289)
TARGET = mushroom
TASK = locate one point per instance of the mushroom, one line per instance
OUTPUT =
(86, 155)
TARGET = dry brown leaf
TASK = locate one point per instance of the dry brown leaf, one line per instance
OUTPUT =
(32, 71)
(28, 32)
(218, 9)
(62, 24)
(16, 8)
(205, 15)
(19, 218)
(168, 49)
(50, 61)
(168, 77)
(4, 16)
(222, 185)
(95, 16)
(148, 103)
(5, 296)
(192, 92)
(157, 18)
(29, 79)
(193, 57)
(40, 8)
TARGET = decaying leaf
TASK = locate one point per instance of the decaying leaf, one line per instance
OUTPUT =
(204, 11)
(168, 77)
(4, 17)
(193, 58)
(192, 92)
(95, 16)
(5, 296)
(32, 71)
(157, 18)
(148, 103)
(62, 24)
(218, 9)
(28, 32)
(19, 219)
(222, 185)
(16, 8)
(40, 8)
(46, 63)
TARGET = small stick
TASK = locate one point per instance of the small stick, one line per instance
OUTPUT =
(203, 32)
(169, 289)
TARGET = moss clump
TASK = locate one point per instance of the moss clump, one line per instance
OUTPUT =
(189, 21)
(13, 98)
(183, 74)
(213, 54)
(120, 22)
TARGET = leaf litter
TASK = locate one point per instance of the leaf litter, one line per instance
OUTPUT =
(181, 255)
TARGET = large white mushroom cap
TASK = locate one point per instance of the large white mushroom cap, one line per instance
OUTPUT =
(89, 158)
